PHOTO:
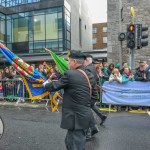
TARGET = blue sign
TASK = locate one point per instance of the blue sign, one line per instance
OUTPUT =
(133, 93)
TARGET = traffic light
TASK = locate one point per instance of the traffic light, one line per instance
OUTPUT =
(131, 36)
(142, 36)
(122, 36)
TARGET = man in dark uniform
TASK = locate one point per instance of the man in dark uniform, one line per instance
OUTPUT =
(76, 107)
(91, 68)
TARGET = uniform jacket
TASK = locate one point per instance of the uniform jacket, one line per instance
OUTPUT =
(91, 68)
(76, 111)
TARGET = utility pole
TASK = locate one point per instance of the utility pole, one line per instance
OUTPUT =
(120, 30)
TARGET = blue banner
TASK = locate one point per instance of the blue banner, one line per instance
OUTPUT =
(131, 93)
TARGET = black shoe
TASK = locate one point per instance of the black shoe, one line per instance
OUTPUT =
(103, 119)
(94, 130)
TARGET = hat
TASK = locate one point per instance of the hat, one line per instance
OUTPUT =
(76, 54)
(88, 55)
(117, 65)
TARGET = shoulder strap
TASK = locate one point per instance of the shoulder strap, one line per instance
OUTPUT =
(90, 87)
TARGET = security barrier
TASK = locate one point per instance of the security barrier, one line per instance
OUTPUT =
(13, 89)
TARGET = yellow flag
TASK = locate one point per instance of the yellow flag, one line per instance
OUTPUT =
(53, 101)
(132, 12)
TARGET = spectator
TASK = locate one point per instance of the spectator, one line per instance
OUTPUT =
(1, 75)
(115, 76)
(141, 74)
(20, 90)
(110, 68)
(127, 75)
(1, 90)
(124, 64)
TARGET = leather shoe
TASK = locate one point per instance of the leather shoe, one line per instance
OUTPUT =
(103, 119)
(94, 130)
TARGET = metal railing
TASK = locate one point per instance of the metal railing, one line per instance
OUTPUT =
(13, 89)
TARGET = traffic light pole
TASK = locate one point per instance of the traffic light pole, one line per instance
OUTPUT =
(132, 50)
(132, 59)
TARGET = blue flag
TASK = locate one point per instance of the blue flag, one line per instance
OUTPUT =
(32, 78)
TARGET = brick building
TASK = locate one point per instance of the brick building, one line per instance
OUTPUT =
(99, 36)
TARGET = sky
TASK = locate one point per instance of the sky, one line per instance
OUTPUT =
(98, 10)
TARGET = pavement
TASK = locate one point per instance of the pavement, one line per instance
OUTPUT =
(39, 129)
(25, 104)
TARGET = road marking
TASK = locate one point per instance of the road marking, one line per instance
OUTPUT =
(148, 112)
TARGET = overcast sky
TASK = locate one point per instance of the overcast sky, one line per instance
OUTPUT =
(98, 9)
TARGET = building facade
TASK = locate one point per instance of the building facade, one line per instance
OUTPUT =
(119, 16)
(28, 26)
(99, 36)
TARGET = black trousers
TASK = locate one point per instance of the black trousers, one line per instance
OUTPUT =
(75, 139)
(97, 110)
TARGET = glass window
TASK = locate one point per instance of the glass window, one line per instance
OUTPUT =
(21, 15)
(39, 46)
(94, 40)
(94, 30)
(9, 27)
(30, 29)
(20, 30)
(60, 33)
(52, 44)
(20, 47)
(9, 46)
(68, 35)
(30, 45)
(60, 43)
(51, 10)
(105, 40)
(2, 30)
(39, 27)
(51, 26)
(39, 12)
(104, 29)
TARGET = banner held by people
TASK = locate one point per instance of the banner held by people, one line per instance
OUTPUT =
(32, 78)
(134, 93)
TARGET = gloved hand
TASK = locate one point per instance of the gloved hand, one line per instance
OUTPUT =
(47, 81)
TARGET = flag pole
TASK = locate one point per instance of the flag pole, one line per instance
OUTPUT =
(47, 49)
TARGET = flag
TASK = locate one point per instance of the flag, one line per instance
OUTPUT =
(54, 101)
(32, 78)
(61, 63)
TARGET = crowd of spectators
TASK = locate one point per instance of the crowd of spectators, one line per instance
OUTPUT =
(112, 72)
(11, 84)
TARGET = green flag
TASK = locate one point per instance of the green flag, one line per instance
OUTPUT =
(61, 63)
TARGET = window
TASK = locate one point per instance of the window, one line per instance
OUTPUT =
(94, 40)
(105, 40)
(94, 30)
(51, 26)
(20, 30)
(104, 29)
(39, 27)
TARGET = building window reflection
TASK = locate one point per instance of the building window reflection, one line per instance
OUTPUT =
(31, 32)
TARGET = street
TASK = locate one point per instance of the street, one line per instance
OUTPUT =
(39, 129)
